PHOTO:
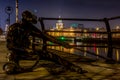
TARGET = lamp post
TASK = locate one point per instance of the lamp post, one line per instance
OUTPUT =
(8, 10)
(16, 11)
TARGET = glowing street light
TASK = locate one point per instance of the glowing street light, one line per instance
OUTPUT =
(97, 29)
(62, 38)
(117, 27)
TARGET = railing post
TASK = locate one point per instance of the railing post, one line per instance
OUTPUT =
(43, 30)
(42, 24)
(110, 49)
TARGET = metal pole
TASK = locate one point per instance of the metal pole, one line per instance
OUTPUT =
(16, 10)
(8, 19)
(110, 49)
(8, 10)
(43, 30)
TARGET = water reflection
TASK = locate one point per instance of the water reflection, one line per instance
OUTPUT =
(61, 48)
(94, 49)
(85, 53)
(117, 55)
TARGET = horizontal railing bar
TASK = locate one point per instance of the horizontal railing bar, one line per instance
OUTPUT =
(71, 19)
(81, 31)
(97, 46)
(80, 46)
(112, 18)
(79, 19)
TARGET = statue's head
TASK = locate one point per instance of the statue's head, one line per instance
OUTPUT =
(28, 16)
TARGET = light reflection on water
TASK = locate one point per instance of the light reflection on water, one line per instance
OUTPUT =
(94, 49)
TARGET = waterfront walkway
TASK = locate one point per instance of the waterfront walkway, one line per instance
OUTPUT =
(46, 70)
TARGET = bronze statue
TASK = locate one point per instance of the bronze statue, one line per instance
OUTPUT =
(18, 43)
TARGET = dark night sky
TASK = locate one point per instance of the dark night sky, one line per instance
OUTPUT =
(64, 8)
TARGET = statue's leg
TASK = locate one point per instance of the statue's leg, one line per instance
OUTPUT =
(51, 56)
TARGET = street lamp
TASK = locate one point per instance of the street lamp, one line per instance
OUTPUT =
(97, 28)
(8, 10)
(117, 27)
(16, 10)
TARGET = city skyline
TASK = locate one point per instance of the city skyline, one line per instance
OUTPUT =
(64, 8)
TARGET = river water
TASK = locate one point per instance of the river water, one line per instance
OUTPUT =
(92, 48)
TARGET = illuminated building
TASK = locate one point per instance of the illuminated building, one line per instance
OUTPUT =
(59, 24)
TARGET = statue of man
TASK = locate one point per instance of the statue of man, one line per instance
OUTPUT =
(18, 42)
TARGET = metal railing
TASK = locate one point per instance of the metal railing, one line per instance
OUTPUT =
(104, 20)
